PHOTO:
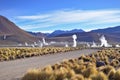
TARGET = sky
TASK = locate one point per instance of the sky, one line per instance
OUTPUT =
(49, 15)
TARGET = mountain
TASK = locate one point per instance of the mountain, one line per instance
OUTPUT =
(108, 30)
(38, 34)
(112, 34)
(12, 34)
(60, 32)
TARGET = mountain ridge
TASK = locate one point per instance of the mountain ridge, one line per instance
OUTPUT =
(111, 34)
(59, 32)
(115, 29)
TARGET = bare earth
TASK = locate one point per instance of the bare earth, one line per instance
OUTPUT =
(11, 70)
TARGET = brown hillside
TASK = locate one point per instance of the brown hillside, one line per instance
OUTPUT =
(12, 34)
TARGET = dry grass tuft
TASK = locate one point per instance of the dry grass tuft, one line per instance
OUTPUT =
(90, 71)
(77, 77)
(38, 75)
(99, 76)
(107, 69)
(31, 75)
(117, 75)
(111, 74)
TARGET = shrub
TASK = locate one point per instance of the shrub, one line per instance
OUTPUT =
(107, 69)
(60, 74)
(77, 77)
(114, 62)
(70, 73)
(111, 74)
(45, 76)
(90, 71)
(117, 75)
(31, 75)
(38, 75)
(99, 76)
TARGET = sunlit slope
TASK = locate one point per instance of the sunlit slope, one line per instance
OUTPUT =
(10, 33)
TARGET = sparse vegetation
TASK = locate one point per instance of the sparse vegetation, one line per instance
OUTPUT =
(84, 68)
(16, 53)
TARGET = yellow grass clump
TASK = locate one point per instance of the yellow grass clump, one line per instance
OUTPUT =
(31, 75)
(117, 75)
(77, 77)
(90, 71)
(99, 76)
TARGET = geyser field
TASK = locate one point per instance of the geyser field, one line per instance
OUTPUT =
(68, 62)
(102, 65)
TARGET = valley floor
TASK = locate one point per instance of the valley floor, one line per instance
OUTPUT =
(11, 70)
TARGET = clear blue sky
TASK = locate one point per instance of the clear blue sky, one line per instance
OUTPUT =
(50, 15)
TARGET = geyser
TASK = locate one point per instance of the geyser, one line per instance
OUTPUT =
(74, 40)
(66, 44)
(104, 42)
(44, 42)
(94, 44)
